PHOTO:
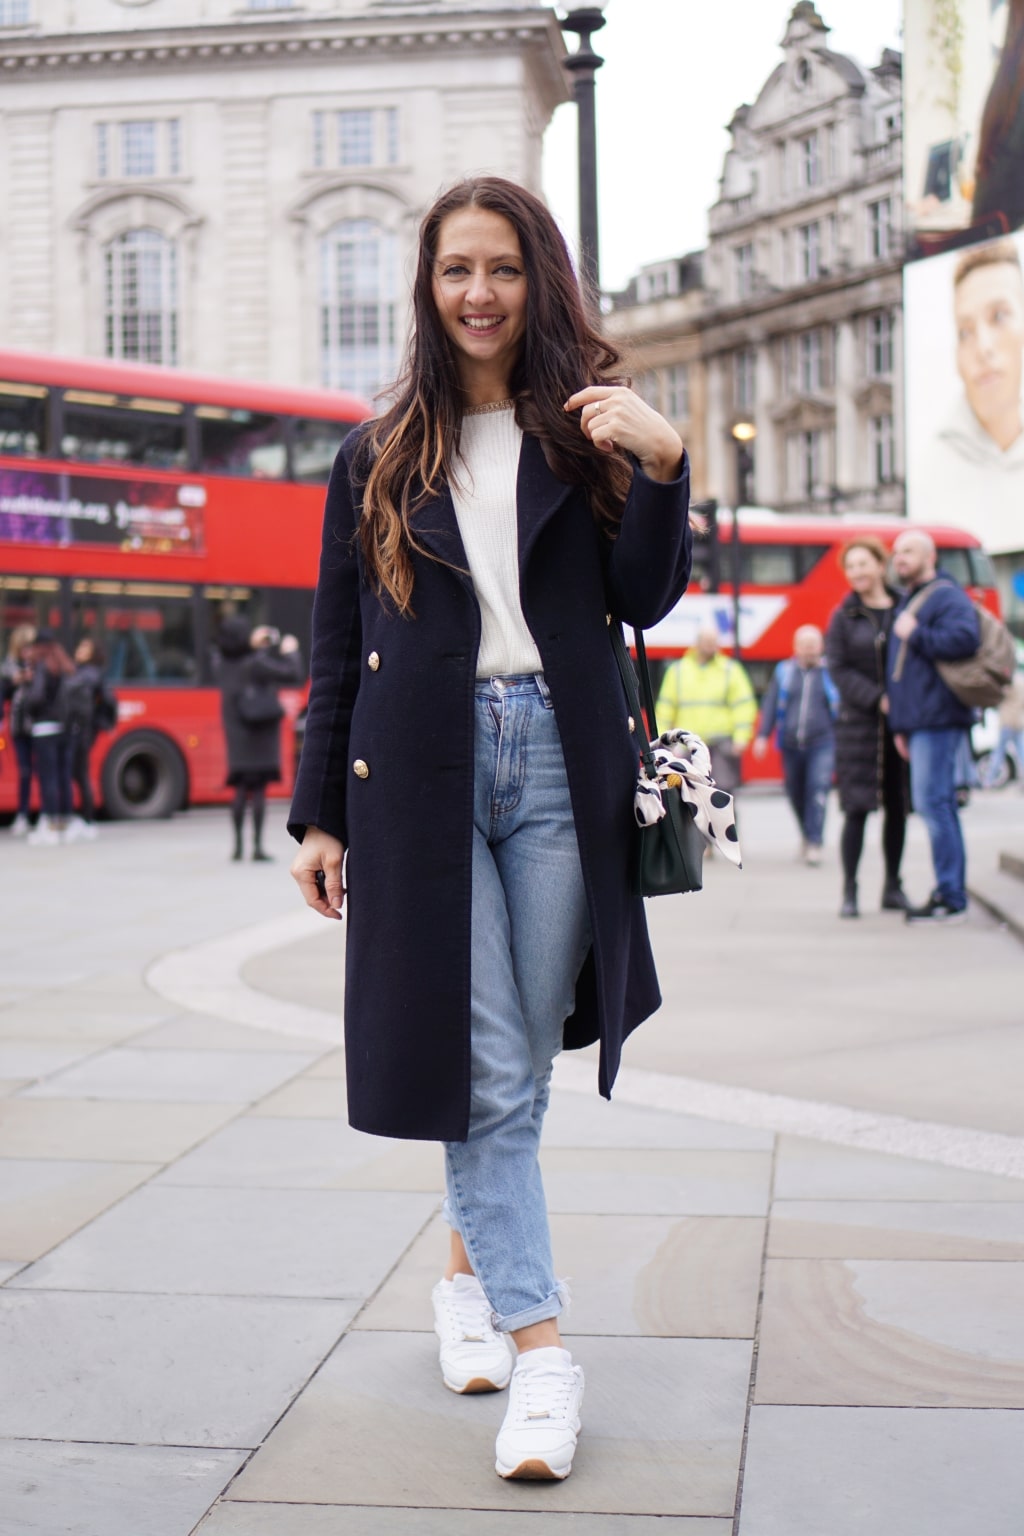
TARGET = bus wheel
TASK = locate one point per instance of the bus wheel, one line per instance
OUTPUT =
(143, 777)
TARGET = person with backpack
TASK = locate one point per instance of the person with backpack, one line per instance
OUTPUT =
(46, 709)
(91, 708)
(935, 623)
(253, 664)
(800, 705)
(711, 695)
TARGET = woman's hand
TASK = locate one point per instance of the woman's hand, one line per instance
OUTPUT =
(760, 747)
(613, 416)
(320, 852)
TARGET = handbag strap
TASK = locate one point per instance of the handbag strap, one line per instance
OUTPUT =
(629, 683)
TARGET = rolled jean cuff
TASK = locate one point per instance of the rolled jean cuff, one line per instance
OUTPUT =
(541, 1313)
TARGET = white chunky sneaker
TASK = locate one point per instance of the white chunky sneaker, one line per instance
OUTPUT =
(20, 826)
(45, 834)
(542, 1424)
(474, 1357)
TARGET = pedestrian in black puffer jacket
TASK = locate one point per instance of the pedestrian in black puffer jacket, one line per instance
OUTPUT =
(870, 773)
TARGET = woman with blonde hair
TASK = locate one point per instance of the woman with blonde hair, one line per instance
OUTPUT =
(468, 747)
(870, 773)
(15, 673)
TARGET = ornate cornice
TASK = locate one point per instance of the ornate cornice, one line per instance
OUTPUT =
(254, 43)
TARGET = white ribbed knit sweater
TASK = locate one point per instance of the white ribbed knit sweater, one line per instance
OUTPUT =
(485, 505)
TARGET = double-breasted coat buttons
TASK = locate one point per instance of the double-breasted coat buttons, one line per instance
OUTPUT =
(373, 661)
(361, 769)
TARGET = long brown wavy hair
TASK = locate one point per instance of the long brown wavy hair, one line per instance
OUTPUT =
(409, 453)
(1004, 96)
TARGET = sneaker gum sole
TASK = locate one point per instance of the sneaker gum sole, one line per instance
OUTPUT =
(476, 1384)
(533, 1470)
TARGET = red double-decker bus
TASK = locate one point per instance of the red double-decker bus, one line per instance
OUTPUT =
(790, 574)
(141, 506)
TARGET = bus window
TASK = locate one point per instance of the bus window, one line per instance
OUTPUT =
(808, 556)
(22, 419)
(983, 572)
(768, 565)
(287, 609)
(31, 600)
(105, 429)
(315, 444)
(147, 629)
(956, 563)
(244, 443)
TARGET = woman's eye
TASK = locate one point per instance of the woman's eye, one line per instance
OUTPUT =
(454, 271)
(507, 271)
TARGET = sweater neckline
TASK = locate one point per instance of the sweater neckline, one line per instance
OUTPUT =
(493, 405)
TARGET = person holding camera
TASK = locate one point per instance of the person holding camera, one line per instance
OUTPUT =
(253, 665)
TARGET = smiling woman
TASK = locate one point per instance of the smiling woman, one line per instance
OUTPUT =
(480, 291)
(476, 539)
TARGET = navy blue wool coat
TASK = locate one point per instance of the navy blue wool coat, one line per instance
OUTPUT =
(396, 696)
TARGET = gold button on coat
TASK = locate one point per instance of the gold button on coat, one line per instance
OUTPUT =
(632, 723)
(373, 661)
(361, 769)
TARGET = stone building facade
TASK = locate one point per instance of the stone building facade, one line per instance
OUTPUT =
(234, 186)
(798, 330)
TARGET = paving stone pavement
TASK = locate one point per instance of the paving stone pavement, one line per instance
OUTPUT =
(214, 1295)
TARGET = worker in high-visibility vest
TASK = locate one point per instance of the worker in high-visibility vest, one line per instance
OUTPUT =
(711, 695)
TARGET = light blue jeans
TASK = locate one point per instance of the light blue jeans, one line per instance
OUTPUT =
(530, 936)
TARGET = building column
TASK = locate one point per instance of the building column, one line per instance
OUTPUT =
(850, 472)
(899, 424)
(29, 224)
(246, 233)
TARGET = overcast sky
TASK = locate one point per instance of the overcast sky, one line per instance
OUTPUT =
(675, 72)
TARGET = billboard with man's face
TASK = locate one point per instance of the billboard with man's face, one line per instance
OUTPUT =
(963, 286)
(964, 362)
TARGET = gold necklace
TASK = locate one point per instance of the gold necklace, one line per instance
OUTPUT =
(495, 405)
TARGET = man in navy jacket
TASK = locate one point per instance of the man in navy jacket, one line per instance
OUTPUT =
(927, 719)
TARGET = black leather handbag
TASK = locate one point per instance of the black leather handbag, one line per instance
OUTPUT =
(668, 856)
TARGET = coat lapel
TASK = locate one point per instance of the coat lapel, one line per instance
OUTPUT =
(539, 494)
(437, 528)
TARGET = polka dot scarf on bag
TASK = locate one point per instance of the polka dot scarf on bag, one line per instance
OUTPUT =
(683, 762)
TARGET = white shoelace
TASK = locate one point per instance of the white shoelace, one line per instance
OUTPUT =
(468, 1314)
(542, 1395)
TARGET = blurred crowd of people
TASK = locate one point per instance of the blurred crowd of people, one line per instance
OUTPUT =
(863, 707)
(57, 706)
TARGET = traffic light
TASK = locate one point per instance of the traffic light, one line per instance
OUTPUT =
(707, 565)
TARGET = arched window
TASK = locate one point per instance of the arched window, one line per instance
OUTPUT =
(141, 297)
(358, 303)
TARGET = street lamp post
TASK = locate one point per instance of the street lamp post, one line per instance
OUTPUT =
(585, 20)
(743, 433)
